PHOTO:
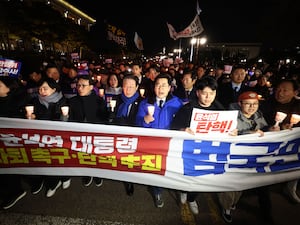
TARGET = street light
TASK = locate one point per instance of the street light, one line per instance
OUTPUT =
(202, 40)
(193, 41)
(198, 41)
(177, 51)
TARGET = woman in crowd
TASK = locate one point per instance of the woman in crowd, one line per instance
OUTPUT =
(113, 88)
(47, 106)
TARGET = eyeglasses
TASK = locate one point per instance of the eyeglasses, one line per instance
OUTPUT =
(82, 85)
(250, 104)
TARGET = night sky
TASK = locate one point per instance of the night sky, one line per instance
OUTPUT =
(273, 23)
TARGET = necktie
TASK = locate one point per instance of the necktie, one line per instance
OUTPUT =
(235, 94)
(161, 102)
(187, 94)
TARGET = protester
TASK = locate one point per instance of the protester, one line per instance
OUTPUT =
(165, 107)
(250, 120)
(126, 109)
(187, 91)
(127, 103)
(262, 88)
(137, 70)
(52, 71)
(228, 92)
(87, 107)
(284, 100)
(200, 72)
(113, 88)
(12, 103)
(148, 82)
(47, 106)
(69, 81)
(32, 84)
(206, 91)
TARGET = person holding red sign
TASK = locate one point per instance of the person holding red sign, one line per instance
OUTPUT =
(206, 91)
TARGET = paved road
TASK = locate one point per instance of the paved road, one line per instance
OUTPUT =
(109, 205)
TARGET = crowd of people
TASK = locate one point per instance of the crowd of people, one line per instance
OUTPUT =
(120, 94)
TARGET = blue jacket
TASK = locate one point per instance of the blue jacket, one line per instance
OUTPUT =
(163, 116)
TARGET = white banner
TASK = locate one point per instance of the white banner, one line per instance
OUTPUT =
(170, 159)
(194, 29)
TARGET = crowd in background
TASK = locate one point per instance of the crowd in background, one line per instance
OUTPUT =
(121, 93)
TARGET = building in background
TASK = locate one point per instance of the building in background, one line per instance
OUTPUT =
(71, 12)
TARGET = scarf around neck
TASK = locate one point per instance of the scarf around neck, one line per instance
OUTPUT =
(123, 108)
(45, 100)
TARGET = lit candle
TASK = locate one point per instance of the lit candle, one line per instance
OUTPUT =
(29, 110)
(142, 92)
(295, 118)
(65, 110)
(101, 92)
(98, 78)
(112, 104)
(151, 110)
(280, 116)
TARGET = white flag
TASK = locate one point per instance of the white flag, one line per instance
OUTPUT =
(172, 31)
(138, 42)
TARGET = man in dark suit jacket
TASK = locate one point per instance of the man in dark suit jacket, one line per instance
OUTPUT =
(88, 107)
(187, 91)
(229, 92)
(127, 105)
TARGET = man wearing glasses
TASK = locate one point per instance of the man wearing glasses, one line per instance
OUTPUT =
(250, 120)
(87, 107)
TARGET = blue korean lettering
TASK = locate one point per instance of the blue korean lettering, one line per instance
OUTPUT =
(208, 157)
(197, 157)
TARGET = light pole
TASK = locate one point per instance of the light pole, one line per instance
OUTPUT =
(193, 41)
